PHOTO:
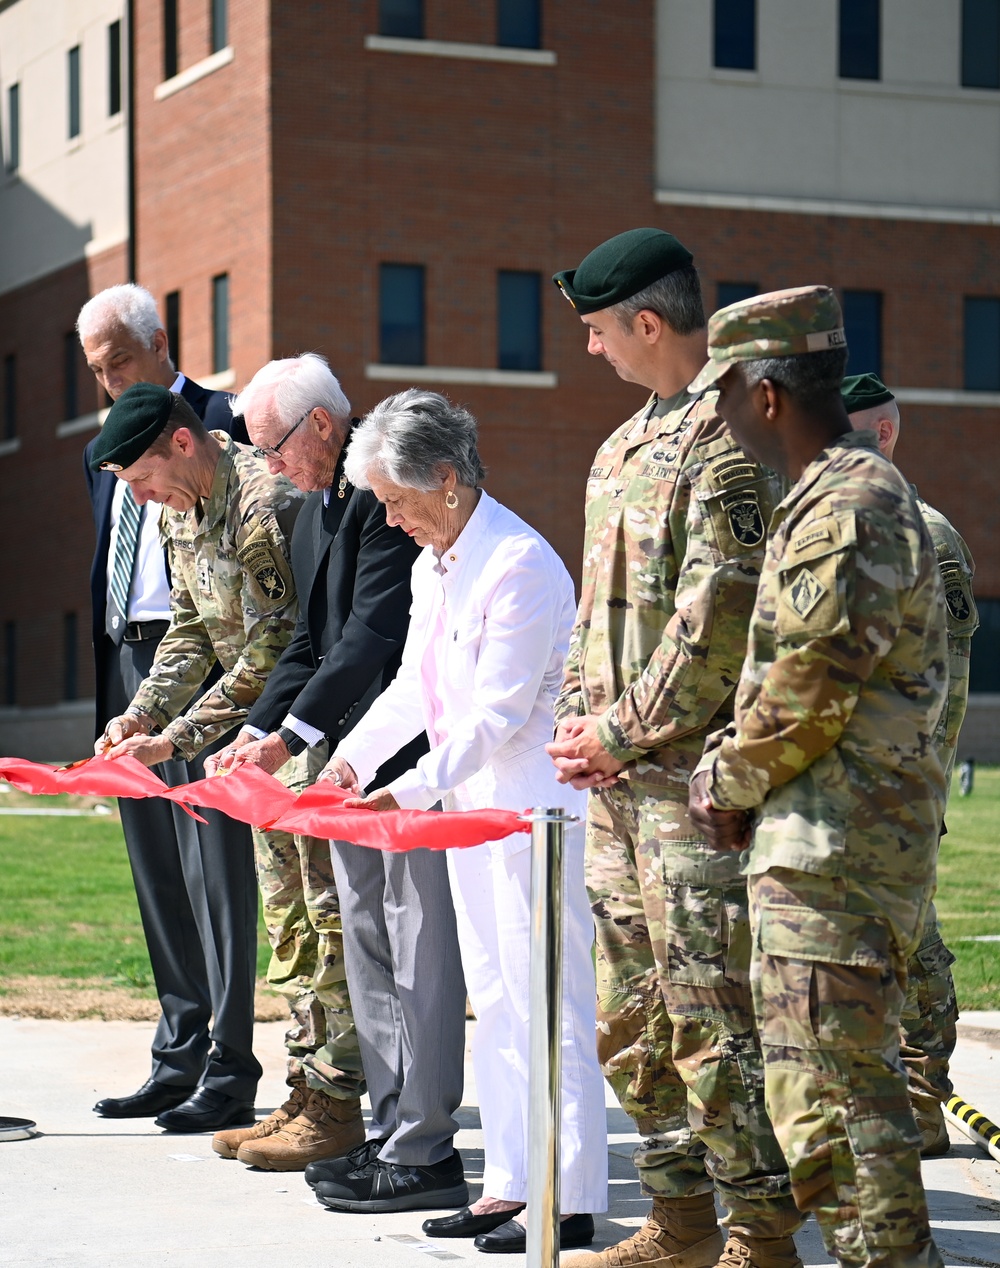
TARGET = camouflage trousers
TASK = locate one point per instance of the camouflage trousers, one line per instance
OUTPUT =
(675, 1033)
(302, 916)
(829, 980)
(929, 1025)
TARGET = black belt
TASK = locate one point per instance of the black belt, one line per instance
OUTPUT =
(140, 631)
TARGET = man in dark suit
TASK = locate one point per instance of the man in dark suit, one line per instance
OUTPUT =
(195, 883)
(352, 574)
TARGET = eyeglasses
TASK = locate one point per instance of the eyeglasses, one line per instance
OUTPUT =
(274, 451)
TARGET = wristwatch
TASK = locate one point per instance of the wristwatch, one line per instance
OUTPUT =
(294, 743)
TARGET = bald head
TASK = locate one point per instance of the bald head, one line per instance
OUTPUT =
(883, 420)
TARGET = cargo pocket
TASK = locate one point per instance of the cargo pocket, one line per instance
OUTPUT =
(888, 1191)
(707, 936)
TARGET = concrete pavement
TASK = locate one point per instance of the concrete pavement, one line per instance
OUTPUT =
(97, 1193)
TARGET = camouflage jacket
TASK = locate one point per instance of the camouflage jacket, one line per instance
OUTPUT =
(844, 682)
(957, 570)
(676, 520)
(232, 600)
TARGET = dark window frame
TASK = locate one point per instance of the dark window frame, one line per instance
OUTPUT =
(171, 40)
(519, 23)
(13, 157)
(10, 396)
(519, 320)
(114, 69)
(981, 347)
(734, 34)
(71, 376)
(401, 19)
(860, 360)
(859, 51)
(727, 293)
(218, 25)
(172, 325)
(74, 100)
(403, 341)
(980, 66)
(221, 301)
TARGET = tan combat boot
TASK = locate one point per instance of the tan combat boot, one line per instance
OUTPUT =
(680, 1233)
(934, 1139)
(228, 1142)
(324, 1128)
(759, 1252)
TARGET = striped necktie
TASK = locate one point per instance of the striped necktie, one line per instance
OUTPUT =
(129, 525)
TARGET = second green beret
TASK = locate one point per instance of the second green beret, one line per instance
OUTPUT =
(133, 423)
(864, 391)
(621, 267)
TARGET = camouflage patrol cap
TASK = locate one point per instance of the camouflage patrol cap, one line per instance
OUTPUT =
(133, 423)
(621, 267)
(864, 391)
(779, 324)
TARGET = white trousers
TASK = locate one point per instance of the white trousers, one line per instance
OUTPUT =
(491, 892)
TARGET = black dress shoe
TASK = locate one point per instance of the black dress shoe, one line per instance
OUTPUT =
(206, 1110)
(151, 1099)
(464, 1224)
(325, 1169)
(511, 1239)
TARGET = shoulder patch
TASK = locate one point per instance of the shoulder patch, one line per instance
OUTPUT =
(734, 469)
(804, 593)
(821, 533)
(955, 589)
(745, 518)
(261, 560)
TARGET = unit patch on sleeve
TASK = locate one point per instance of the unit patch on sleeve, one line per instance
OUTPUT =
(260, 559)
(804, 593)
(745, 519)
(955, 590)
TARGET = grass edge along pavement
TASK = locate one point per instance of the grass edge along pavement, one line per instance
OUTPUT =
(71, 943)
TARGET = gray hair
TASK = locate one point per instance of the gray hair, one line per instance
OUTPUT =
(409, 437)
(809, 378)
(676, 298)
(129, 306)
(292, 387)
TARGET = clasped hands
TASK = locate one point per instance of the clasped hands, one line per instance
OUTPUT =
(579, 756)
(129, 734)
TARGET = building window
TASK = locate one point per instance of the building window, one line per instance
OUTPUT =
(220, 323)
(114, 69)
(860, 39)
(13, 127)
(71, 399)
(519, 320)
(70, 675)
(732, 292)
(519, 23)
(73, 75)
(401, 18)
(401, 314)
(170, 41)
(9, 396)
(981, 43)
(982, 345)
(863, 327)
(172, 304)
(984, 667)
(735, 25)
(220, 24)
(9, 662)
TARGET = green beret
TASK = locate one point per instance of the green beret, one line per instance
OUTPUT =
(621, 267)
(133, 423)
(864, 391)
(785, 323)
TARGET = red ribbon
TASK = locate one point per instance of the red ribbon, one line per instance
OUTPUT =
(254, 797)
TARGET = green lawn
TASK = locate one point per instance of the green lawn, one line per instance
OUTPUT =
(67, 907)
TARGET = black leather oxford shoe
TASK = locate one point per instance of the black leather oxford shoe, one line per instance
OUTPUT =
(464, 1224)
(510, 1238)
(151, 1099)
(206, 1110)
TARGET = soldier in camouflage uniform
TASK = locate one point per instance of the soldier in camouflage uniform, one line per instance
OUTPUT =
(226, 526)
(831, 750)
(676, 517)
(931, 1010)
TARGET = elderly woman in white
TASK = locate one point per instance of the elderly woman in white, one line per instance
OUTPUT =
(492, 611)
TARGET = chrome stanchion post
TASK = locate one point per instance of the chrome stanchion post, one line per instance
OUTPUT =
(548, 833)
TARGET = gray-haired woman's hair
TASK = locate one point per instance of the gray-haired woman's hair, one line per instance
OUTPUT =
(409, 437)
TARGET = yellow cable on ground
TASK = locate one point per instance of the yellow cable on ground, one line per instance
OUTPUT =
(975, 1125)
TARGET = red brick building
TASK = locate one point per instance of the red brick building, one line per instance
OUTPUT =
(393, 183)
